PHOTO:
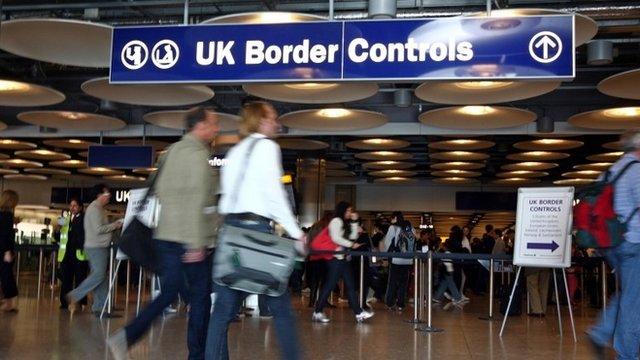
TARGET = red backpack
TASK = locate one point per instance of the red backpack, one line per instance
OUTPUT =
(322, 242)
(595, 222)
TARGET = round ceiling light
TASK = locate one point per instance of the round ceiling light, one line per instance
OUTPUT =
(174, 119)
(482, 92)
(456, 173)
(388, 165)
(462, 144)
(601, 166)
(395, 180)
(100, 171)
(127, 178)
(71, 120)
(456, 181)
(537, 156)
(16, 145)
(614, 145)
(477, 117)
(69, 164)
(392, 173)
(623, 85)
(4, 171)
(312, 93)
(333, 119)
(145, 171)
(21, 164)
(574, 182)
(515, 181)
(47, 171)
(378, 144)
(301, 144)
(582, 174)
(42, 154)
(529, 165)
(16, 93)
(606, 157)
(25, 177)
(522, 174)
(266, 17)
(459, 156)
(457, 165)
(148, 94)
(621, 118)
(76, 43)
(75, 144)
(383, 155)
(548, 144)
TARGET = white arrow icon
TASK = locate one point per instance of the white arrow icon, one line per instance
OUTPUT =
(547, 41)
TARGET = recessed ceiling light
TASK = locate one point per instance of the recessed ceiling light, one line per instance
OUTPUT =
(14, 86)
(311, 86)
(476, 110)
(621, 112)
(334, 112)
(473, 85)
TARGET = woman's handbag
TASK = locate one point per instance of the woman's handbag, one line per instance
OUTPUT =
(252, 261)
(322, 242)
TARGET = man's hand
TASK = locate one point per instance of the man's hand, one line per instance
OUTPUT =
(194, 255)
(8, 256)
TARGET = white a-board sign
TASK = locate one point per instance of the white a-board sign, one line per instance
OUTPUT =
(543, 227)
(147, 214)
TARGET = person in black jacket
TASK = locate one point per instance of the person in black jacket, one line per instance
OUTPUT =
(73, 263)
(8, 203)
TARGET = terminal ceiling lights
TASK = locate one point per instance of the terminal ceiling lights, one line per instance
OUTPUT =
(4, 171)
(264, 17)
(25, 177)
(459, 156)
(388, 165)
(456, 173)
(42, 154)
(74, 144)
(522, 174)
(537, 156)
(454, 180)
(16, 93)
(378, 144)
(175, 119)
(339, 173)
(47, 171)
(20, 163)
(529, 165)
(620, 118)
(58, 41)
(582, 174)
(482, 91)
(606, 157)
(69, 164)
(4, 156)
(475, 117)
(71, 120)
(457, 165)
(574, 182)
(393, 173)
(145, 171)
(9, 144)
(548, 144)
(301, 144)
(100, 171)
(599, 166)
(333, 119)
(384, 155)
(462, 144)
(623, 85)
(148, 94)
(515, 181)
(395, 180)
(126, 178)
(614, 145)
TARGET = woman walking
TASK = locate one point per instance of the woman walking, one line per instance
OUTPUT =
(8, 203)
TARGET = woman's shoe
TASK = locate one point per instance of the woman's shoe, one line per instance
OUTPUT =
(320, 317)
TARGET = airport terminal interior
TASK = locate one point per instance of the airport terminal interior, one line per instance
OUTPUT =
(450, 145)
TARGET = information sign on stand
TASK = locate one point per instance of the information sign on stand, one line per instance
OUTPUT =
(543, 227)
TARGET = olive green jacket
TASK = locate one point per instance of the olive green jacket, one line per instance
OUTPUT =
(186, 188)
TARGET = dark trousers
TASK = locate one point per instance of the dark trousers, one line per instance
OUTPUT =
(72, 273)
(7, 279)
(174, 273)
(337, 269)
(316, 271)
(398, 284)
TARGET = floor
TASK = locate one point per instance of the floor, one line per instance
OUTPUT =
(41, 331)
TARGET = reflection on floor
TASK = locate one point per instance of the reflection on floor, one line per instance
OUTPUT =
(41, 331)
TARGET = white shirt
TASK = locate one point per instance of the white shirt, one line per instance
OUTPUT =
(392, 235)
(260, 191)
(466, 244)
(336, 233)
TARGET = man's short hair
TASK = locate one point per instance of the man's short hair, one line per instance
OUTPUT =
(631, 140)
(99, 189)
(194, 116)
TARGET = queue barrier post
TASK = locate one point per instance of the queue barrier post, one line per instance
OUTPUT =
(429, 327)
(361, 284)
(416, 296)
(491, 279)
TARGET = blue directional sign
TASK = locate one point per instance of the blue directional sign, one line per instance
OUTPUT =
(530, 47)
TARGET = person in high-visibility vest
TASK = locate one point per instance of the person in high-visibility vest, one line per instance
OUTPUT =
(73, 262)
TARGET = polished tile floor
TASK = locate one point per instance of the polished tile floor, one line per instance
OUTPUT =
(41, 331)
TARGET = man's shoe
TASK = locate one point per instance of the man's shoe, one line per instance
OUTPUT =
(320, 317)
(117, 344)
(364, 315)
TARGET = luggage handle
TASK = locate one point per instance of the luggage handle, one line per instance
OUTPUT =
(255, 240)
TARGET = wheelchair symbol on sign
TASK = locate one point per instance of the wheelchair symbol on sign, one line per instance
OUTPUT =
(134, 55)
(165, 54)
(545, 47)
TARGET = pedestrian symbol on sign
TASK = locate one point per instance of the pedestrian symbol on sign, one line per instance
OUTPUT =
(545, 47)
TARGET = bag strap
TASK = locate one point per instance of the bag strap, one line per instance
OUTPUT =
(624, 170)
(154, 180)
(243, 170)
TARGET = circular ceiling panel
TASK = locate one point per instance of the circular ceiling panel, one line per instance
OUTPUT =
(392, 173)
(395, 180)
(335, 165)
(462, 144)
(383, 155)
(48, 171)
(42, 154)
(477, 117)
(4, 156)
(482, 92)
(388, 165)
(339, 173)
(601, 166)
(145, 171)
(156, 144)
(69, 164)
(75, 144)
(378, 144)
(548, 144)
(4, 171)
(16, 145)
(16, 93)
(529, 165)
(148, 94)
(522, 174)
(457, 165)
(614, 145)
(27, 177)
(582, 174)
(456, 181)
(623, 85)
(459, 156)
(71, 120)
(100, 171)
(333, 119)
(585, 27)
(266, 17)
(456, 173)
(537, 156)
(301, 144)
(125, 178)
(621, 118)
(76, 43)
(313, 93)
(174, 119)
(515, 181)
(21, 164)
(574, 182)
(606, 157)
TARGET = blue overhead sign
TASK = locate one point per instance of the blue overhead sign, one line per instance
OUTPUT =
(530, 47)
